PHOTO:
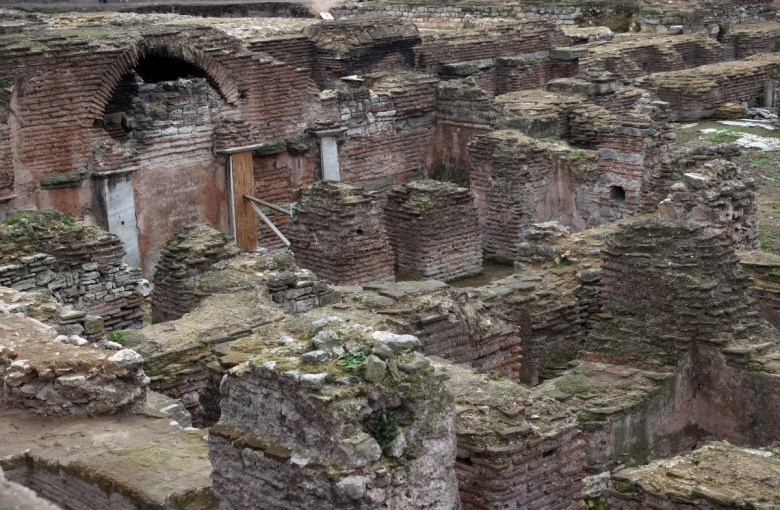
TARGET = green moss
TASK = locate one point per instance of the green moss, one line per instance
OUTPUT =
(589, 417)
(382, 426)
(624, 487)
(599, 503)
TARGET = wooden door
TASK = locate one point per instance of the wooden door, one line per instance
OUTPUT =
(244, 184)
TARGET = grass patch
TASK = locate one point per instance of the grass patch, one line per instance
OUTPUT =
(765, 241)
(725, 136)
(117, 336)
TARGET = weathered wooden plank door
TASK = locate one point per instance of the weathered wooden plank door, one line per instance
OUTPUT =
(243, 184)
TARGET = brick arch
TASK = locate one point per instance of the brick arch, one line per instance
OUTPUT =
(128, 60)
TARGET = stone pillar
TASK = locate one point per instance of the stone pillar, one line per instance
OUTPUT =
(338, 233)
(434, 231)
(329, 153)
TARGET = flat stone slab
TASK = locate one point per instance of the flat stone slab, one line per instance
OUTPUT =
(143, 456)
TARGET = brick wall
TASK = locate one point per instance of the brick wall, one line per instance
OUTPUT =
(338, 233)
(191, 251)
(390, 128)
(518, 181)
(504, 461)
(64, 83)
(503, 39)
(6, 148)
(695, 93)
(433, 230)
(361, 46)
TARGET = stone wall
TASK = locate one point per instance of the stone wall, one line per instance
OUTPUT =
(433, 230)
(192, 251)
(338, 233)
(393, 430)
(77, 263)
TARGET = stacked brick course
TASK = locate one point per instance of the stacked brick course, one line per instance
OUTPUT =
(632, 58)
(515, 449)
(78, 264)
(518, 181)
(361, 46)
(191, 251)
(390, 128)
(696, 93)
(6, 153)
(433, 230)
(338, 233)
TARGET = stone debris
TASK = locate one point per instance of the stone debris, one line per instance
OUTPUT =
(45, 375)
(717, 475)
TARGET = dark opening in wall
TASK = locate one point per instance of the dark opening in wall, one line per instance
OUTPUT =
(617, 193)
(153, 69)
(118, 105)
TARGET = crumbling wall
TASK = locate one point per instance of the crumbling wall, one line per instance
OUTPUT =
(762, 268)
(64, 319)
(503, 38)
(360, 46)
(463, 113)
(688, 276)
(14, 495)
(433, 230)
(747, 39)
(190, 252)
(719, 196)
(717, 476)
(518, 181)
(338, 233)
(629, 59)
(515, 449)
(393, 429)
(77, 263)
(45, 374)
(6, 146)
